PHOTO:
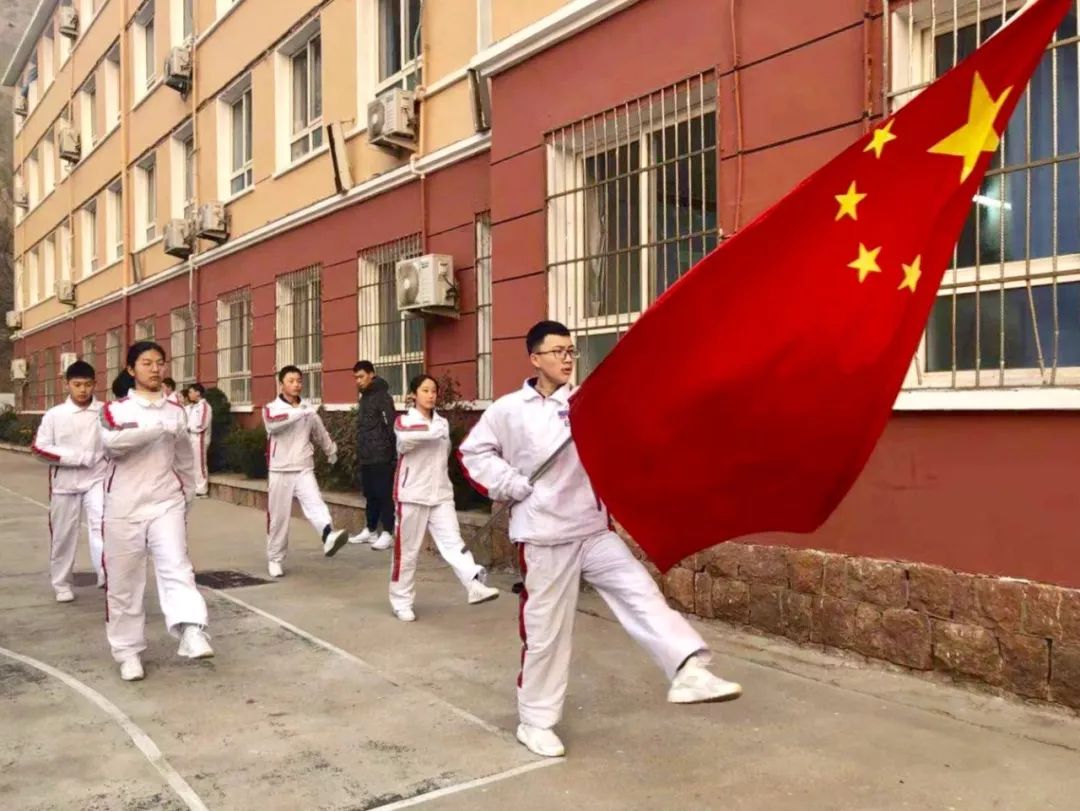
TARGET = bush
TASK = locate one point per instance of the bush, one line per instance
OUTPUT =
(341, 425)
(9, 425)
(461, 421)
(220, 427)
(16, 428)
(245, 452)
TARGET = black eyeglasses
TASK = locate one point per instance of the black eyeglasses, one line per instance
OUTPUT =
(563, 353)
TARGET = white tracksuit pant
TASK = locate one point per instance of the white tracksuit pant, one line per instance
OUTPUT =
(126, 546)
(413, 520)
(65, 509)
(552, 575)
(283, 487)
(199, 450)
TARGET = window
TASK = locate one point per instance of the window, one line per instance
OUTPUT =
(146, 200)
(33, 180)
(34, 269)
(30, 86)
(63, 121)
(115, 221)
(65, 49)
(33, 384)
(483, 24)
(234, 346)
(182, 347)
(89, 238)
(86, 16)
(182, 21)
(88, 346)
(1008, 311)
(50, 377)
(112, 88)
(145, 60)
(484, 374)
(48, 49)
(299, 326)
(48, 163)
(20, 290)
(305, 67)
(399, 42)
(88, 115)
(183, 169)
(64, 250)
(48, 257)
(145, 329)
(240, 168)
(391, 340)
(112, 358)
(632, 200)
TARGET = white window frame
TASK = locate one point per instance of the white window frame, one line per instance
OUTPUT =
(113, 358)
(47, 62)
(408, 73)
(182, 345)
(64, 121)
(311, 133)
(234, 359)
(48, 262)
(145, 73)
(87, 13)
(114, 221)
(146, 199)
(111, 66)
(146, 328)
(66, 250)
(33, 180)
(484, 312)
(88, 238)
(33, 269)
(309, 281)
(65, 45)
(88, 127)
(20, 280)
(182, 205)
(181, 13)
(88, 351)
(240, 93)
(48, 164)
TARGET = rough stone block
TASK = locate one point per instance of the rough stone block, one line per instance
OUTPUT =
(1000, 603)
(967, 650)
(765, 608)
(764, 564)
(1070, 616)
(797, 611)
(869, 635)
(1065, 675)
(806, 570)
(907, 638)
(679, 588)
(880, 582)
(703, 584)
(965, 607)
(834, 621)
(1042, 611)
(836, 575)
(1025, 664)
(730, 600)
(930, 589)
(724, 560)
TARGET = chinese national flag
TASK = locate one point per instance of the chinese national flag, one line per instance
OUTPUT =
(749, 397)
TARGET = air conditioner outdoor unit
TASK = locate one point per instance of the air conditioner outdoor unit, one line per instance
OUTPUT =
(392, 119)
(66, 359)
(65, 291)
(178, 238)
(426, 284)
(68, 143)
(18, 196)
(69, 22)
(212, 223)
(22, 106)
(13, 318)
(178, 69)
(18, 368)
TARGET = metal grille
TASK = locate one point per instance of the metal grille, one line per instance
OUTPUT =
(1008, 313)
(484, 376)
(88, 346)
(182, 340)
(632, 205)
(32, 392)
(145, 329)
(112, 359)
(234, 346)
(299, 326)
(390, 339)
(50, 377)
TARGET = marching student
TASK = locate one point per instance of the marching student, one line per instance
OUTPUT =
(292, 425)
(148, 489)
(168, 385)
(425, 502)
(199, 415)
(375, 455)
(563, 534)
(68, 441)
(122, 384)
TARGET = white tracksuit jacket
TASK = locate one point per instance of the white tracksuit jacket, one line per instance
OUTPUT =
(198, 415)
(513, 438)
(292, 430)
(68, 441)
(151, 467)
(423, 450)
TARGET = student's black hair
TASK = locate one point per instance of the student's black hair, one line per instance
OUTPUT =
(418, 381)
(137, 348)
(199, 387)
(168, 381)
(540, 331)
(364, 366)
(80, 370)
(285, 370)
(123, 383)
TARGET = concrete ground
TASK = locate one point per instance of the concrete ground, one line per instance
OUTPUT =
(319, 699)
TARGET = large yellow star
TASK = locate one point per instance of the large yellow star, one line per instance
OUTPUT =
(866, 263)
(849, 202)
(978, 134)
(912, 273)
(882, 136)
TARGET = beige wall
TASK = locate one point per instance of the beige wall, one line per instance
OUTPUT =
(509, 16)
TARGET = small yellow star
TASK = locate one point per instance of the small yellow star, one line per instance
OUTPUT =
(882, 136)
(912, 273)
(977, 135)
(866, 263)
(849, 202)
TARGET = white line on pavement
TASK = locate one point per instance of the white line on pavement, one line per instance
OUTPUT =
(481, 781)
(138, 737)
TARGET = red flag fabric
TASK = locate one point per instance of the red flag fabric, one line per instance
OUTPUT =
(773, 365)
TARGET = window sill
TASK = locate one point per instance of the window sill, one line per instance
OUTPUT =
(158, 82)
(146, 245)
(1033, 398)
(239, 195)
(242, 409)
(91, 274)
(308, 158)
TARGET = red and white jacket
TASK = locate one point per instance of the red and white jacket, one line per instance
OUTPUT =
(291, 430)
(198, 416)
(423, 448)
(69, 442)
(151, 466)
(514, 437)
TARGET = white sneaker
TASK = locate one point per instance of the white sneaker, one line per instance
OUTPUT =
(65, 596)
(194, 643)
(361, 537)
(275, 569)
(131, 669)
(405, 615)
(384, 541)
(543, 742)
(480, 593)
(694, 684)
(334, 541)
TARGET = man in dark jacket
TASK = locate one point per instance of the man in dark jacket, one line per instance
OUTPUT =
(376, 453)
